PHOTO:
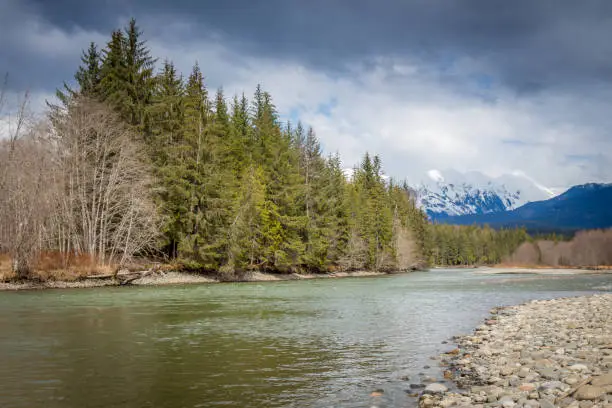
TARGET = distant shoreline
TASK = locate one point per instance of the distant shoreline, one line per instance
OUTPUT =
(532, 269)
(516, 270)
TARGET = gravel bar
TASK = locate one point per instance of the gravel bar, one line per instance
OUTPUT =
(552, 353)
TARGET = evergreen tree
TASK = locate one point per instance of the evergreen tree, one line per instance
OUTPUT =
(139, 67)
(113, 75)
(87, 77)
(197, 162)
(241, 139)
(168, 151)
(88, 74)
(219, 184)
(280, 161)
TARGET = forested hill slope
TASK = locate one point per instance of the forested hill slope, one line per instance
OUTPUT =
(587, 206)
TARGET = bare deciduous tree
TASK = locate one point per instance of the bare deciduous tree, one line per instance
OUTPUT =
(77, 184)
(25, 185)
(105, 208)
(587, 248)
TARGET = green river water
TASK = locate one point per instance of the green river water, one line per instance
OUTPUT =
(311, 343)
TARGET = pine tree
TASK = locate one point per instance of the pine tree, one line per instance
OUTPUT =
(280, 162)
(241, 136)
(168, 151)
(88, 74)
(113, 75)
(139, 66)
(246, 230)
(87, 77)
(320, 184)
(167, 113)
(334, 225)
(197, 162)
(219, 185)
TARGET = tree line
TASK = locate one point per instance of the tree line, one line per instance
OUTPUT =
(455, 245)
(136, 160)
(586, 248)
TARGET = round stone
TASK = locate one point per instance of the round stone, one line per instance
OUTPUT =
(589, 392)
(435, 388)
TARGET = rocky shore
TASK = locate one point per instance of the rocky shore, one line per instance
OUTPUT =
(176, 278)
(555, 353)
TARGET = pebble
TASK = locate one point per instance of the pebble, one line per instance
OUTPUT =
(435, 388)
(578, 367)
(527, 387)
(531, 355)
(549, 373)
(602, 380)
(589, 392)
(544, 403)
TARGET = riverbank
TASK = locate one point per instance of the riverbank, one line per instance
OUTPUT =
(177, 278)
(555, 353)
(516, 270)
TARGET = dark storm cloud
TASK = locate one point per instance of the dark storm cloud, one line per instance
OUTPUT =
(527, 45)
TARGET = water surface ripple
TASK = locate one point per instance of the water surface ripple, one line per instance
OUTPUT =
(313, 343)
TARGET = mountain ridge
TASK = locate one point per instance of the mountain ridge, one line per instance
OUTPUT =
(451, 193)
(586, 206)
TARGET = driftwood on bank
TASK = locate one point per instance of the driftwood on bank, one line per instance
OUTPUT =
(573, 389)
(124, 276)
(104, 276)
(128, 277)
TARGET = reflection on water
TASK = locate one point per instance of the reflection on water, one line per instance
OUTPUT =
(324, 343)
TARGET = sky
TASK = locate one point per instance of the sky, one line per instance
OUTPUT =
(500, 87)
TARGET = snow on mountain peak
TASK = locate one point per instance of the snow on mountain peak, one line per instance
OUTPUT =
(456, 193)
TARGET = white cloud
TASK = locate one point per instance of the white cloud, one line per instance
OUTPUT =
(410, 114)
(415, 122)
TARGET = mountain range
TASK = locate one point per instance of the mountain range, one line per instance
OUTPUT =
(512, 200)
(451, 193)
(586, 206)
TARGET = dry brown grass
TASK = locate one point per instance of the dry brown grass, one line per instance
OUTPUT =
(62, 267)
(55, 266)
(6, 272)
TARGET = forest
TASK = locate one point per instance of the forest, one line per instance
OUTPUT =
(135, 161)
(138, 161)
(454, 245)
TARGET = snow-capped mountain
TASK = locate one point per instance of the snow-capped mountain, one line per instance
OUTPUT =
(581, 207)
(451, 193)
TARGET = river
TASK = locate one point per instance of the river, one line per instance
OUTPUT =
(310, 343)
